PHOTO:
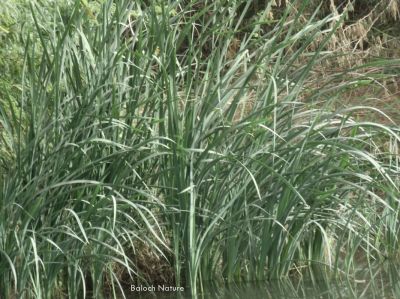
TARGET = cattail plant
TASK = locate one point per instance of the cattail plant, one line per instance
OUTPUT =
(185, 133)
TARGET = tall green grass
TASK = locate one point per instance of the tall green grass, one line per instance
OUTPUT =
(140, 129)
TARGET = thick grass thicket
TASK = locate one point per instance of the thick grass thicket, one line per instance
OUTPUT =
(178, 131)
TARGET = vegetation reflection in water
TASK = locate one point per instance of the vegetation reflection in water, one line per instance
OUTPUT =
(381, 282)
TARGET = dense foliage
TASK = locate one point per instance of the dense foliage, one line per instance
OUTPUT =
(182, 142)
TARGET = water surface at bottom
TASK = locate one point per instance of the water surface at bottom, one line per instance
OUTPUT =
(381, 283)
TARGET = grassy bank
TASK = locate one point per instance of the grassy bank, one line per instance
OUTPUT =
(185, 142)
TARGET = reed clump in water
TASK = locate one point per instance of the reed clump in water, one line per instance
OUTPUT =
(119, 147)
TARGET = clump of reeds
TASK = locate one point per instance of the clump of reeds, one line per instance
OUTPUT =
(140, 128)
